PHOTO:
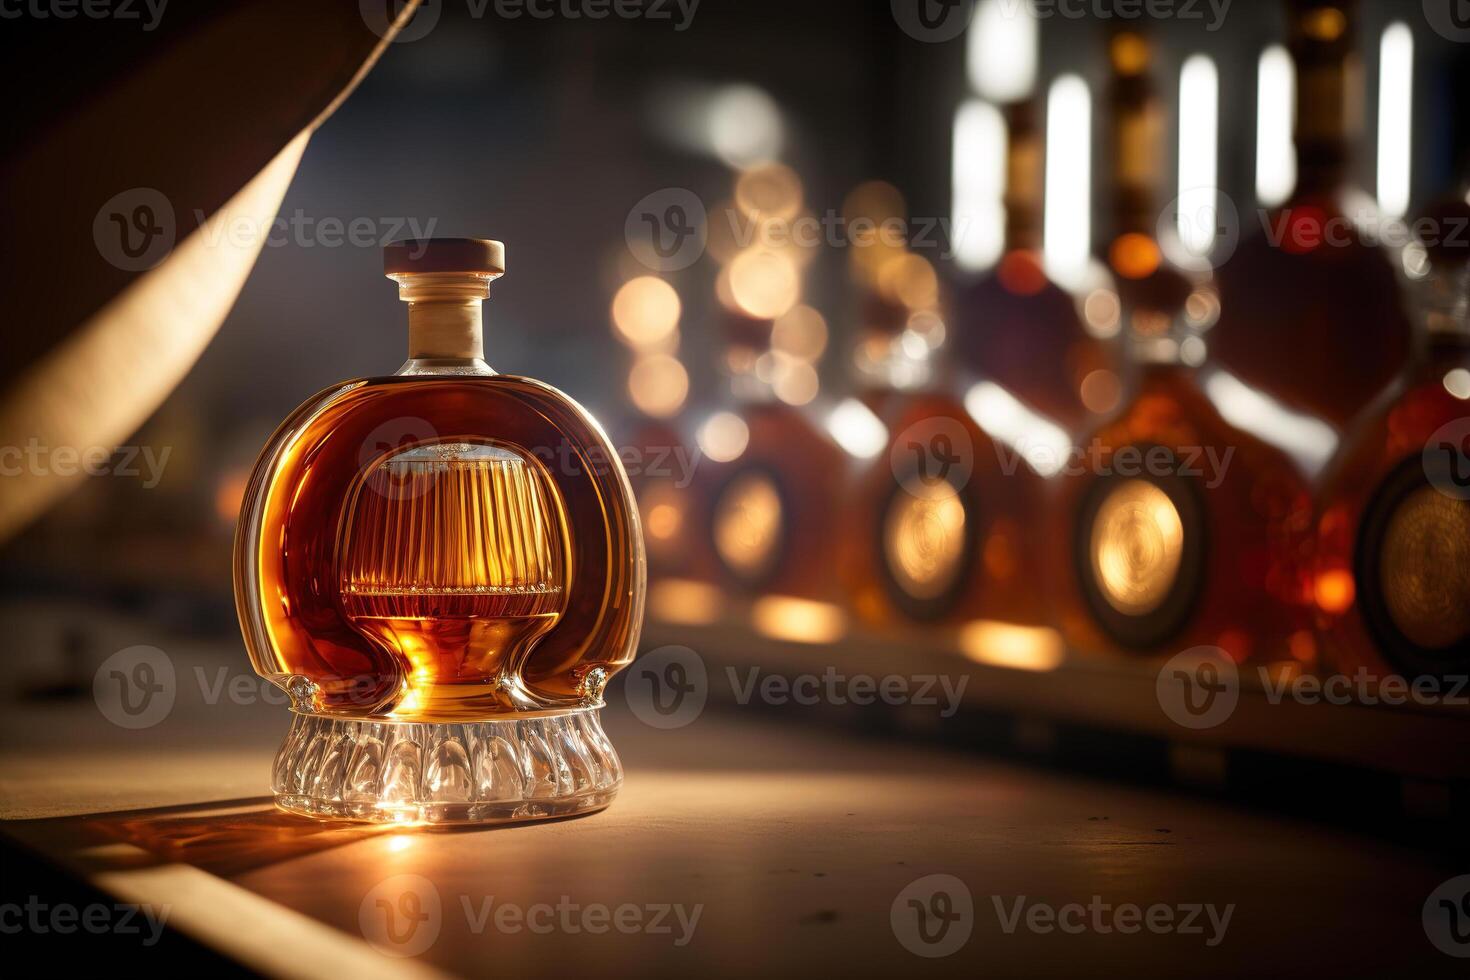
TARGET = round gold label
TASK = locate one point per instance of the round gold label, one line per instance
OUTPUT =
(924, 539)
(748, 525)
(1424, 568)
(1136, 547)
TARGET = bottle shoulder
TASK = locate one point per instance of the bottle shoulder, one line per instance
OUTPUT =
(1171, 406)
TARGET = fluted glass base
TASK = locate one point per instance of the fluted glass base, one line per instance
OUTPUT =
(499, 771)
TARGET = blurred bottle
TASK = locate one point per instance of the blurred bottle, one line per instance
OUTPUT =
(1393, 555)
(938, 519)
(1018, 328)
(768, 482)
(661, 458)
(1312, 312)
(1179, 526)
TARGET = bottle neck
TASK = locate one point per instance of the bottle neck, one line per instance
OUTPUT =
(445, 321)
(1024, 179)
(1137, 141)
(1443, 300)
(1328, 95)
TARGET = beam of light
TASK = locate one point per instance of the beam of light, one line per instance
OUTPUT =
(998, 644)
(1001, 50)
(1275, 105)
(1395, 118)
(978, 185)
(857, 430)
(783, 617)
(1067, 232)
(1199, 102)
(1043, 444)
(685, 602)
(1310, 441)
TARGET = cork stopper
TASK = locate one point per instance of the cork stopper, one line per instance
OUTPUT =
(444, 281)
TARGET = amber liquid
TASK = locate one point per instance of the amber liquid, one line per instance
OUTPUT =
(454, 563)
(1418, 563)
(1250, 525)
(940, 551)
(482, 557)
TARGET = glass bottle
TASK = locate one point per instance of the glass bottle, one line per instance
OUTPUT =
(682, 573)
(1181, 524)
(1017, 327)
(1392, 582)
(769, 476)
(1312, 313)
(442, 568)
(938, 519)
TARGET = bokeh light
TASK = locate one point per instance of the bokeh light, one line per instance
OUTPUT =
(645, 312)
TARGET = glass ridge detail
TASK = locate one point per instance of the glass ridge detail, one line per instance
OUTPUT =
(505, 770)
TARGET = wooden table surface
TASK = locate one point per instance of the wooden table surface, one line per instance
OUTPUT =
(791, 845)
